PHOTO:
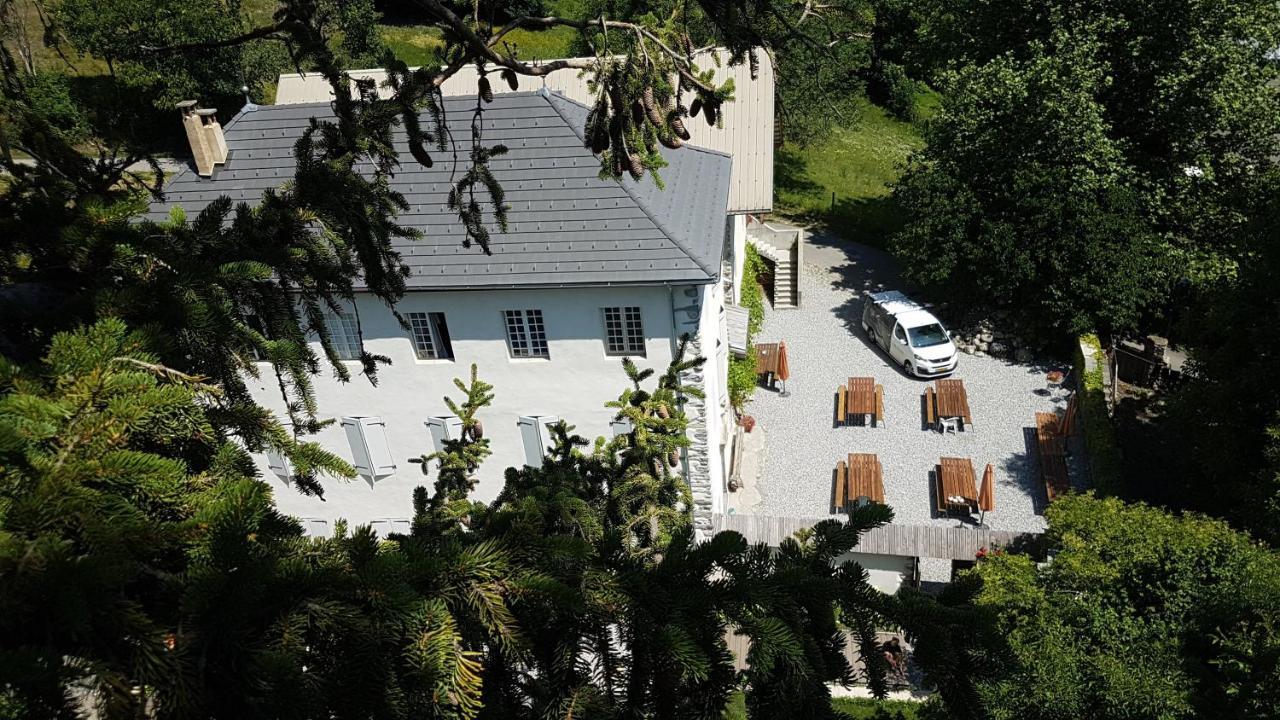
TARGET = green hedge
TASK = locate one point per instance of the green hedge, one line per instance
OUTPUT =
(855, 707)
(742, 370)
(1099, 433)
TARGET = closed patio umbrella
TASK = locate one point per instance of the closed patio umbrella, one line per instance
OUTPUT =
(784, 369)
(987, 493)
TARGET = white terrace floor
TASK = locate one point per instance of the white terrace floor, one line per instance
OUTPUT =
(825, 346)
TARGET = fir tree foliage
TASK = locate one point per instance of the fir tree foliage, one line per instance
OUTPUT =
(460, 457)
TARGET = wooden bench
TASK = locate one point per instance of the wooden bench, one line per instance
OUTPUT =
(842, 485)
(930, 410)
(842, 405)
(1051, 446)
(879, 404)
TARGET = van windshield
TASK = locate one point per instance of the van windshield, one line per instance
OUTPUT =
(927, 335)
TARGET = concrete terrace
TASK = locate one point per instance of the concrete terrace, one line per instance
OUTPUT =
(825, 344)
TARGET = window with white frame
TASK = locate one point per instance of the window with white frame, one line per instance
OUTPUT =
(623, 331)
(430, 336)
(343, 334)
(526, 334)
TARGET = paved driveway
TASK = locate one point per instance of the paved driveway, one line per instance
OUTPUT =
(825, 346)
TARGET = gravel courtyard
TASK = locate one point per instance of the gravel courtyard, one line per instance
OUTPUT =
(825, 346)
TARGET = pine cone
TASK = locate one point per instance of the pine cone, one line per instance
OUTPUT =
(677, 126)
(486, 92)
(709, 111)
(673, 458)
(650, 109)
(695, 107)
(637, 113)
(513, 83)
(477, 430)
(670, 141)
(663, 412)
(635, 166)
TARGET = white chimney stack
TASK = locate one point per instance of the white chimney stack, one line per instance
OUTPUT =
(208, 145)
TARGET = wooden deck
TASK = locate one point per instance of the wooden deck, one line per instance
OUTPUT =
(924, 541)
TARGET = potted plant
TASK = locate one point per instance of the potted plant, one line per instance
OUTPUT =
(748, 423)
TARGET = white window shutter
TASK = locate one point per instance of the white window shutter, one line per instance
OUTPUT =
(370, 453)
(279, 464)
(536, 433)
(443, 427)
(315, 527)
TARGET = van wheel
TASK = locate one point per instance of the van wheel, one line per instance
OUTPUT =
(906, 367)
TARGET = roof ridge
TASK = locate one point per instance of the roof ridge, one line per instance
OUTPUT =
(640, 203)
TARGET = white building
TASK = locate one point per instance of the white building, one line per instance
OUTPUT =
(589, 271)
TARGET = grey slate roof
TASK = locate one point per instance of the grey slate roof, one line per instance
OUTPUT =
(567, 227)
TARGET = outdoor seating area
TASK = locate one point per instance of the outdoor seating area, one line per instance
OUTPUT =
(968, 460)
(946, 402)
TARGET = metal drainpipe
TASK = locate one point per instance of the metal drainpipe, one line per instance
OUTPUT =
(675, 344)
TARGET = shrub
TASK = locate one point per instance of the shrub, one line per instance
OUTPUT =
(753, 266)
(896, 92)
(742, 370)
(1099, 434)
(742, 378)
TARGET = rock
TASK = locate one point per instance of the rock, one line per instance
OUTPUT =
(986, 337)
(1023, 355)
(979, 353)
(998, 348)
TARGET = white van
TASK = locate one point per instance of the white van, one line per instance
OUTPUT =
(909, 333)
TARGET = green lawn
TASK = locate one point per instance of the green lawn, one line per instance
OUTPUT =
(877, 709)
(415, 44)
(842, 182)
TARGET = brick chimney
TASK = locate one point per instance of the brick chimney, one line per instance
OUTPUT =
(208, 145)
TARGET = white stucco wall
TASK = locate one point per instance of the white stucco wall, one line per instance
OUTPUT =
(715, 346)
(739, 240)
(574, 384)
(885, 573)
